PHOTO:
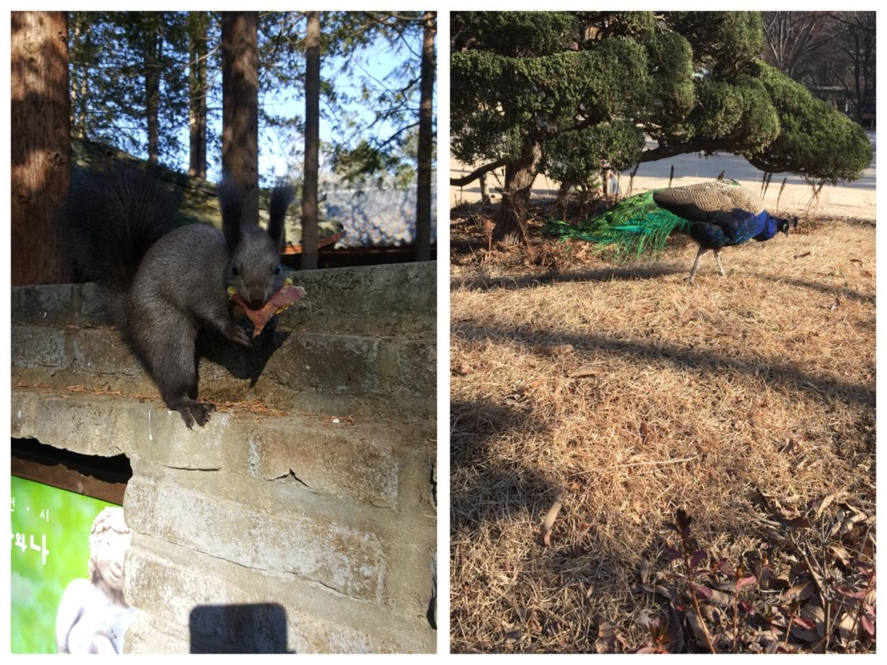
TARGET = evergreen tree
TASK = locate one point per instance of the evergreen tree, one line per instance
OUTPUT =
(572, 94)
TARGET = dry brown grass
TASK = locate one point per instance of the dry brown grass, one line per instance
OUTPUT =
(745, 400)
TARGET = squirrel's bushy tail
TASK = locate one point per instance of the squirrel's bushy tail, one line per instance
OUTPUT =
(111, 219)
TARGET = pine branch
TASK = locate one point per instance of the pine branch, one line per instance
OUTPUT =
(477, 173)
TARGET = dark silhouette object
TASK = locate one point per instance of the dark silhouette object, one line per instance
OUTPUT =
(248, 628)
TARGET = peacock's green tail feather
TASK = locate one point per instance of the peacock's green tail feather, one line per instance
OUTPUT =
(633, 226)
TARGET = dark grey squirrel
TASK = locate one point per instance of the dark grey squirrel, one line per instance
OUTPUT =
(164, 281)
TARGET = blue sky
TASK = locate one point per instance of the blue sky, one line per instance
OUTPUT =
(377, 60)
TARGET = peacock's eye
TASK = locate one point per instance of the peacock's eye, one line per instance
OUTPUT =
(277, 269)
(234, 270)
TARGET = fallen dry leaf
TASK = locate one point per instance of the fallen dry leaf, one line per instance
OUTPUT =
(606, 639)
(550, 517)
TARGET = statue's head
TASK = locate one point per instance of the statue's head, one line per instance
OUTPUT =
(109, 539)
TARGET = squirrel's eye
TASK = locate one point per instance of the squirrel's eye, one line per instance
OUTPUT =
(277, 269)
(234, 270)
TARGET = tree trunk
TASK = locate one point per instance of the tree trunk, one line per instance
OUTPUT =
(515, 206)
(197, 96)
(312, 140)
(153, 42)
(41, 149)
(240, 107)
(426, 140)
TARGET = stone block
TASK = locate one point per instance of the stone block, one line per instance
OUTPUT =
(270, 536)
(390, 300)
(101, 351)
(206, 597)
(327, 363)
(412, 369)
(335, 459)
(39, 347)
(80, 423)
(158, 436)
(45, 304)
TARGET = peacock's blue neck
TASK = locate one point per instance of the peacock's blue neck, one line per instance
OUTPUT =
(767, 224)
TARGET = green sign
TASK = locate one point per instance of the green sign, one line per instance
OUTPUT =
(50, 551)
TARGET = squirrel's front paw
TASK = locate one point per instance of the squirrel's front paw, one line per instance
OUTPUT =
(237, 334)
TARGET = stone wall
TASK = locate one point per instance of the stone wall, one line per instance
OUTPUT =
(302, 517)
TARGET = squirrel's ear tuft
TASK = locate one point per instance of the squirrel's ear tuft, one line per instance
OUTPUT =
(281, 198)
(231, 205)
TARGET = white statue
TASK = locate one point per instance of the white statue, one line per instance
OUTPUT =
(93, 616)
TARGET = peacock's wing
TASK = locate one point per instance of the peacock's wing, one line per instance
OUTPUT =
(717, 202)
(633, 226)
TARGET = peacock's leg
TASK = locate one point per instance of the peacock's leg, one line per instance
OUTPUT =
(718, 259)
(702, 250)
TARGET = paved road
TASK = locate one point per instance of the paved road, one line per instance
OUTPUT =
(856, 199)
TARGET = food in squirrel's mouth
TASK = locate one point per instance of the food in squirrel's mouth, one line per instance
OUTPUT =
(282, 299)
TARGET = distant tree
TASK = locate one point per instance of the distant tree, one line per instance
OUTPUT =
(426, 141)
(240, 107)
(198, 91)
(82, 51)
(312, 142)
(793, 36)
(573, 94)
(856, 40)
(41, 145)
(109, 102)
(151, 33)
(385, 139)
(128, 79)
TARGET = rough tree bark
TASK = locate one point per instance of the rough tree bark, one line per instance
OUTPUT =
(426, 139)
(515, 206)
(312, 140)
(197, 95)
(41, 146)
(240, 107)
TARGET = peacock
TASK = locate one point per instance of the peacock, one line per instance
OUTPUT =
(715, 214)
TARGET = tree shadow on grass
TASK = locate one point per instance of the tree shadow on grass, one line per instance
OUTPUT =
(488, 492)
(482, 486)
(778, 375)
(638, 273)
(828, 289)
(618, 274)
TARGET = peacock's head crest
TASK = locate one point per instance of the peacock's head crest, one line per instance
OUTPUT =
(784, 224)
